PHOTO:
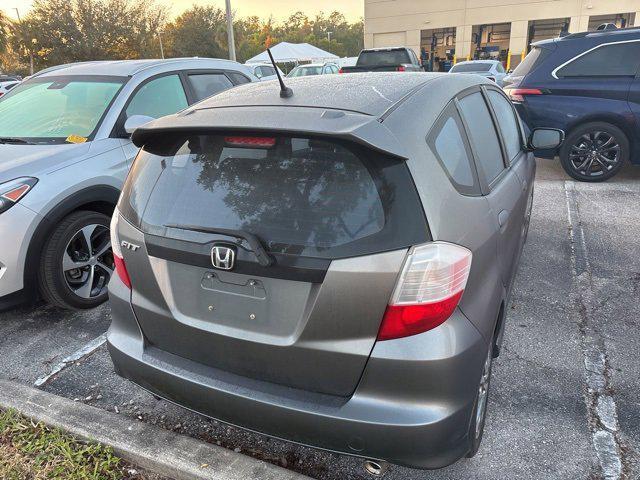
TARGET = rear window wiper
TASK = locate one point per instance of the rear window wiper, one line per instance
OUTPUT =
(14, 140)
(255, 243)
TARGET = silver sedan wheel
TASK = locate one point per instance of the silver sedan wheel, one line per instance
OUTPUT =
(87, 261)
(483, 392)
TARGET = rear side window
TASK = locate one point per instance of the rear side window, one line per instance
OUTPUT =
(509, 126)
(158, 97)
(534, 59)
(298, 195)
(238, 78)
(448, 143)
(207, 84)
(483, 136)
(620, 59)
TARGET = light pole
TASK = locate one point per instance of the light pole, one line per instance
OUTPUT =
(232, 43)
(329, 36)
(33, 40)
(161, 48)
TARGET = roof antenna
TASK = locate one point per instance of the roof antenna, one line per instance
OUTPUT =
(285, 92)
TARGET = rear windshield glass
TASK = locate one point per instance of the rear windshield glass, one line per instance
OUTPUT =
(298, 195)
(531, 61)
(471, 67)
(383, 58)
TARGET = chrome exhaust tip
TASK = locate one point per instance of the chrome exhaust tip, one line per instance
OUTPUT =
(375, 468)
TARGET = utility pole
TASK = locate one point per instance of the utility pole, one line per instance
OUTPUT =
(30, 47)
(231, 40)
(329, 36)
(161, 49)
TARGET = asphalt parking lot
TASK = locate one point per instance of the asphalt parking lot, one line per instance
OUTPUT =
(564, 390)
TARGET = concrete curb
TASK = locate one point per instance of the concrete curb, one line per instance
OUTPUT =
(148, 446)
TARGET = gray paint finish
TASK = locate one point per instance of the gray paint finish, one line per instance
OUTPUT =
(321, 378)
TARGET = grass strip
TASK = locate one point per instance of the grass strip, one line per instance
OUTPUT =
(33, 451)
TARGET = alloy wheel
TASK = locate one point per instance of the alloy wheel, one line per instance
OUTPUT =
(87, 261)
(483, 393)
(595, 153)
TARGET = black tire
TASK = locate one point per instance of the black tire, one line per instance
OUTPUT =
(55, 285)
(587, 146)
(475, 434)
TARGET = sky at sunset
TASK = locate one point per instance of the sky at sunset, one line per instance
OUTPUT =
(280, 9)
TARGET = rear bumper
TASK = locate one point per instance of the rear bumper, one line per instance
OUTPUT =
(412, 406)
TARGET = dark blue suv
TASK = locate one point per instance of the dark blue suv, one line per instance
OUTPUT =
(586, 84)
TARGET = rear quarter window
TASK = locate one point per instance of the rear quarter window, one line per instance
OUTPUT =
(533, 60)
(448, 142)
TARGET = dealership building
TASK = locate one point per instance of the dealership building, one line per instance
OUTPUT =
(445, 31)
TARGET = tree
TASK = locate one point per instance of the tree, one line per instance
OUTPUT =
(5, 25)
(63, 31)
(199, 31)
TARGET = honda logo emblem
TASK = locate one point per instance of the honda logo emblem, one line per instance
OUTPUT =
(223, 257)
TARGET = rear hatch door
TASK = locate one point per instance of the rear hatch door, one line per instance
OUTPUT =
(269, 257)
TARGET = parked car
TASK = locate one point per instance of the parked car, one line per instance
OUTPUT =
(264, 71)
(313, 69)
(393, 59)
(64, 153)
(6, 85)
(587, 85)
(323, 273)
(491, 69)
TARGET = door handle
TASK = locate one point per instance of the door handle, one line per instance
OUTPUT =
(503, 218)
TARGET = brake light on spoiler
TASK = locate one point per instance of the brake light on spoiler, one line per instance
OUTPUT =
(428, 290)
(250, 142)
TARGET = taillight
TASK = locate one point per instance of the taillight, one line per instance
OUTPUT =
(12, 191)
(118, 259)
(518, 94)
(401, 68)
(250, 142)
(428, 290)
(340, 71)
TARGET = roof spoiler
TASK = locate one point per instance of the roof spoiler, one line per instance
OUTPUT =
(362, 129)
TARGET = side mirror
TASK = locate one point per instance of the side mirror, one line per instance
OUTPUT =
(545, 139)
(135, 121)
(510, 71)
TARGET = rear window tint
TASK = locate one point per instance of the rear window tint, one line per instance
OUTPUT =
(483, 136)
(448, 143)
(302, 196)
(207, 84)
(507, 122)
(238, 78)
(620, 59)
(535, 58)
(383, 57)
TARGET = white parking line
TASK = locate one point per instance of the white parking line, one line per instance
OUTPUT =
(74, 357)
(601, 407)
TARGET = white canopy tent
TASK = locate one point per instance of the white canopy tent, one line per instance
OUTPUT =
(285, 52)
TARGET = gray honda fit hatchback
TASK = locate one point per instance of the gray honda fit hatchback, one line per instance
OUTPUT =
(330, 267)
